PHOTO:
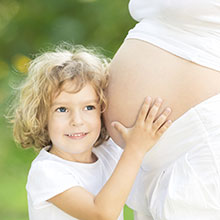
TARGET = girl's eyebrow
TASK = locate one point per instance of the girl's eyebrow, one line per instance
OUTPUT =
(83, 102)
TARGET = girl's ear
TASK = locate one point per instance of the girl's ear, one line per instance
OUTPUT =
(102, 108)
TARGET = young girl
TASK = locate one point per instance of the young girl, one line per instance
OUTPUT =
(59, 112)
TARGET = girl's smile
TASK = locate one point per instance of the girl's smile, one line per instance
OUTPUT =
(76, 136)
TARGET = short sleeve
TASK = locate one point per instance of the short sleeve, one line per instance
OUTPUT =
(114, 150)
(47, 179)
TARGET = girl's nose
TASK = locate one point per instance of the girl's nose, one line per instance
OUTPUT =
(76, 119)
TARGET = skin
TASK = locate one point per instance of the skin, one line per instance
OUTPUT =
(74, 123)
(139, 139)
(141, 69)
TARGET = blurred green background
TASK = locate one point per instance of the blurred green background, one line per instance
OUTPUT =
(26, 27)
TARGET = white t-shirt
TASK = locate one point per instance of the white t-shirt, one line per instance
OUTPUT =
(50, 175)
(187, 28)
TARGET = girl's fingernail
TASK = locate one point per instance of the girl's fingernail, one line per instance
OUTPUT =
(168, 110)
(148, 99)
(159, 99)
(169, 122)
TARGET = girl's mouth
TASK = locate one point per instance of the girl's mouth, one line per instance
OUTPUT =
(78, 135)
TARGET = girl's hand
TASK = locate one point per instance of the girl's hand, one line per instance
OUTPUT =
(108, 203)
(147, 129)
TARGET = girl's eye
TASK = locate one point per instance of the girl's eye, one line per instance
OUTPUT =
(89, 107)
(61, 109)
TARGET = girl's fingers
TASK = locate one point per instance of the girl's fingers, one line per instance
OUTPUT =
(153, 111)
(161, 119)
(119, 127)
(163, 128)
(144, 109)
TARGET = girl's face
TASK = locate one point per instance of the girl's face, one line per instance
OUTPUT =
(74, 123)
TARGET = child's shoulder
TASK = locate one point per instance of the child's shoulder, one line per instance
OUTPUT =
(45, 164)
(48, 177)
(49, 174)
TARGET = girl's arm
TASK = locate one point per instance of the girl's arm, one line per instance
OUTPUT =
(109, 202)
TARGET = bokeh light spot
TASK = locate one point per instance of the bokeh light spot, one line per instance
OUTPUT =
(21, 63)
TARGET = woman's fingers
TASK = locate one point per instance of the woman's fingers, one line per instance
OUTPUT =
(161, 119)
(144, 110)
(153, 111)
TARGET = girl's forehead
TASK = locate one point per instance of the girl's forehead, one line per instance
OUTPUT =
(77, 87)
(70, 92)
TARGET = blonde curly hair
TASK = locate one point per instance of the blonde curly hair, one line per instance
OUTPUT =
(46, 75)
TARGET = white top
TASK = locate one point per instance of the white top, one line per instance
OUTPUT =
(50, 175)
(180, 176)
(187, 28)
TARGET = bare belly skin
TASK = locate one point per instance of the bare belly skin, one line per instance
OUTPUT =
(140, 69)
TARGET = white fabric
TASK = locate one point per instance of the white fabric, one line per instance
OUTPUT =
(50, 175)
(180, 176)
(188, 28)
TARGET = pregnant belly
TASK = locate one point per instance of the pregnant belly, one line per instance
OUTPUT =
(140, 69)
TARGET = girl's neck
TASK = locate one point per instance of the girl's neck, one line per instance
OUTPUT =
(89, 157)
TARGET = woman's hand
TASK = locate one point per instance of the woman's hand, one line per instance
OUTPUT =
(148, 127)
